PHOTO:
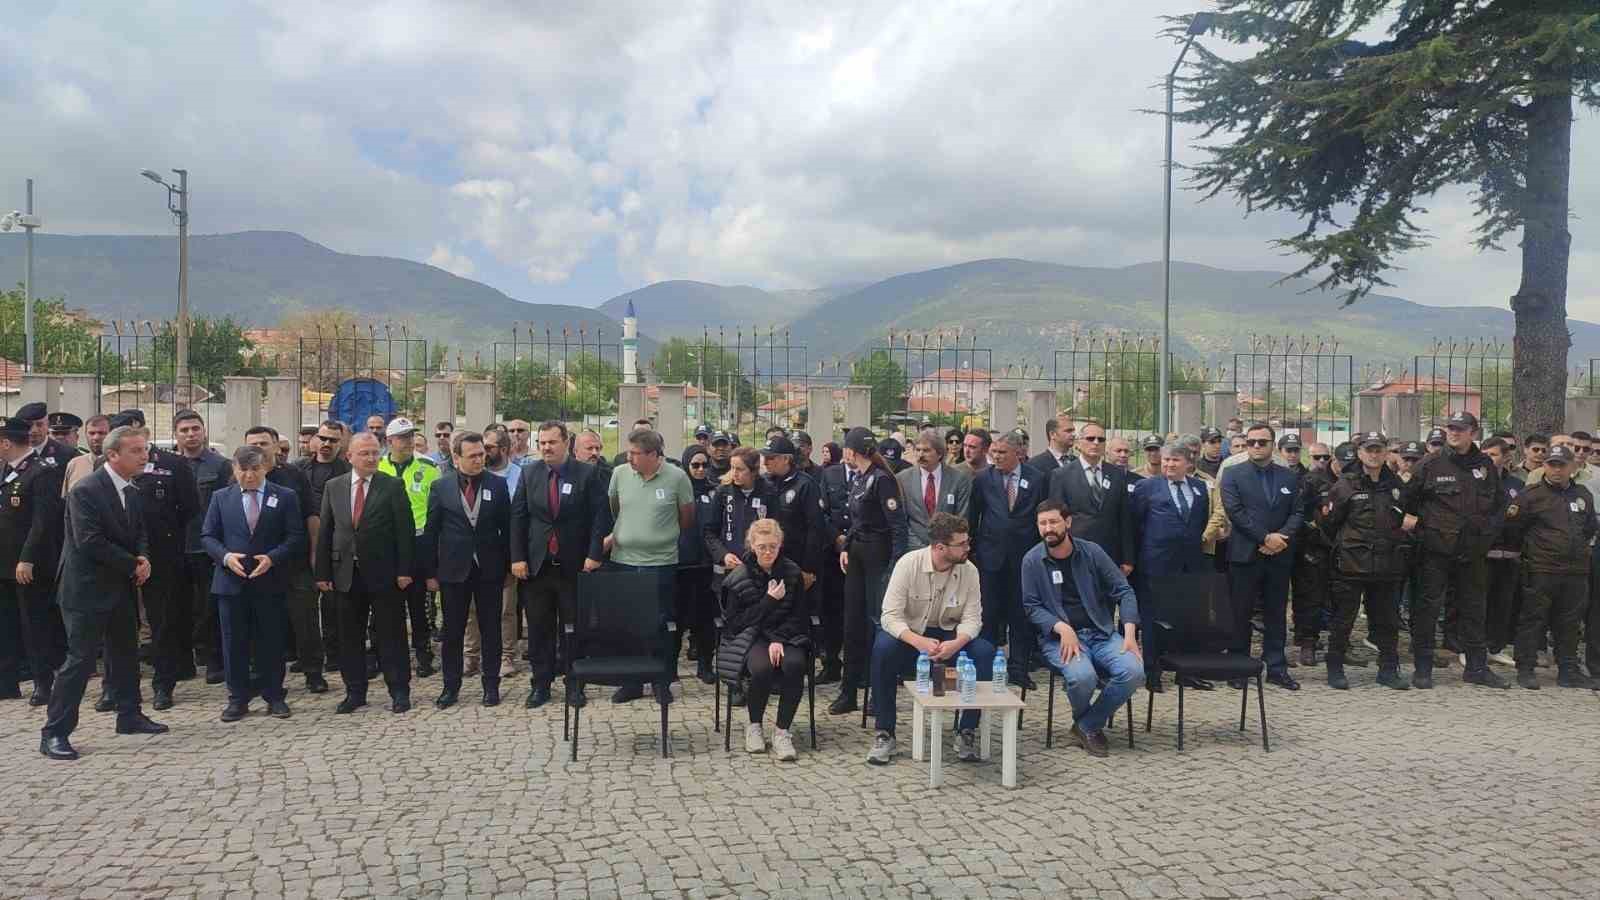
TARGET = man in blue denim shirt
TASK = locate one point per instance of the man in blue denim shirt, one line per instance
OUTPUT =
(1068, 589)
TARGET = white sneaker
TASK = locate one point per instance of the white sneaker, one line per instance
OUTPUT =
(783, 746)
(967, 746)
(753, 741)
(883, 747)
(507, 668)
(1502, 659)
(1462, 658)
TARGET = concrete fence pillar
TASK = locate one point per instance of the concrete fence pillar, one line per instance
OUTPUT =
(80, 395)
(480, 402)
(630, 407)
(1003, 409)
(819, 418)
(1368, 414)
(283, 405)
(439, 402)
(1188, 412)
(41, 388)
(1041, 408)
(670, 411)
(857, 406)
(241, 410)
(1583, 414)
(1402, 416)
(1220, 406)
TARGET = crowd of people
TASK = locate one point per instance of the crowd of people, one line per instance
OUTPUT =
(369, 551)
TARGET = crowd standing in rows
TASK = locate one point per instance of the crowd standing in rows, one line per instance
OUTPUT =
(365, 549)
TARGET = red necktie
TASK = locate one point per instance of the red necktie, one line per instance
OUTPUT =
(555, 507)
(361, 502)
(470, 492)
(929, 498)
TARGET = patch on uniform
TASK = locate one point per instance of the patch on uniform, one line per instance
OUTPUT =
(49, 461)
(1130, 487)
(1396, 493)
(788, 496)
(1511, 511)
(1511, 491)
(16, 500)
(821, 504)
(1582, 505)
(1575, 506)
(1478, 473)
(892, 504)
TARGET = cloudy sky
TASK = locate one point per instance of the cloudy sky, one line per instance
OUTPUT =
(570, 151)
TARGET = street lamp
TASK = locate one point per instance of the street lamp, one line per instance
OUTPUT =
(178, 203)
(27, 221)
(1197, 26)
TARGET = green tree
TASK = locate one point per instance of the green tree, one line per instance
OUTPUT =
(594, 385)
(217, 349)
(887, 380)
(62, 342)
(1353, 137)
(1122, 391)
(527, 389)
(680, 360)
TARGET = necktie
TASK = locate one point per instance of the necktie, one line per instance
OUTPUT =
(1266, 486)
(252, 510)
(130, 503)
(1183, 500)
(470, 492)
(1011, 491)
(555, 507)
(361, 502)
(930, 497)
(1094, 484)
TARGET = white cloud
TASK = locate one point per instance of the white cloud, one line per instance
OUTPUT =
(454, 263)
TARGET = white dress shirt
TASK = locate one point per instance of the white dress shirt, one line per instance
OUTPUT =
(121, 484)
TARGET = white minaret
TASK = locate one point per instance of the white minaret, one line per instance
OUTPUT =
(630, 346)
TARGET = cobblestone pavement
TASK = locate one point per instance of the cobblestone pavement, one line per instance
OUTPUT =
(1458, 792)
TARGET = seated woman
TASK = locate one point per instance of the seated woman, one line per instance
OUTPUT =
(766, 632)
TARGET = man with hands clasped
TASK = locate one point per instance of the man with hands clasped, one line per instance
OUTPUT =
(1261, 501)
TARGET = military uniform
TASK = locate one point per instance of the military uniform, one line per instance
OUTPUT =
(31, 533)
(170, 501)
(1553, 526)
(1362, 519)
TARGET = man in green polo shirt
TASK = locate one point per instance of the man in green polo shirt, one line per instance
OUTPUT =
(650, 504)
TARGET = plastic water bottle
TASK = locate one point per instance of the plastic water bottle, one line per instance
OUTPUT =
(924, 674)
(969, 683)
(997, 679)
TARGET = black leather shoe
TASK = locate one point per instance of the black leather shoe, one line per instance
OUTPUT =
(1485, 678)
(628, 693)
(163, 700)
(400, 704)
(446, 700)
(278, 709)
(57, 748)
(575, 697)
(39, 698)
(1337, 679)
(705, 673)
(844, 703)
(104, 704)
(491, 696)
(349, 705)
(316, 684)
(425, 668)
(1237, 683)
(233, 712)
(139, 723)
(1528, 681)
(1283, 680)
(1196, 684)
(214, 675)
(1391, 678)
(1422, 679)
(539, 696)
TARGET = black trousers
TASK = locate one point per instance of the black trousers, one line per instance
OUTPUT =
(548, 598)
(416, 598)
(1500, 603)
(697, 609)
(253, 617)
(864, 585)
(203, 623)
(10, 635)
(1261, 583)
(305, 620)
(1465, 582)
(1310, 596)
(43, 635)
(117, 629)
(1003, 618)
(483, 596)
(790, 679)
(387, 610)
(829, 591)
(1562, 601)
(1383, 618)
(166, 602)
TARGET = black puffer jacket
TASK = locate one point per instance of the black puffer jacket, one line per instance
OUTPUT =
(1458, 499)
(752, 617)
(1363, 521)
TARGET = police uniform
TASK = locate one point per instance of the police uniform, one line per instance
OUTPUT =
(834, 486)
(1457, 500)
(31, 532)
(1553, 526)
(1504, 598)
(798, 506)
(170, 500)
(875, 541)
(418, 476)
(1361, 517)
(201, 633)
(1309, 578)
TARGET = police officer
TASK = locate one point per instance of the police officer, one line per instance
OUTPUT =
(1362, 519)
(1504, 596)
(798, 506)
(1309, 578)
(1289, 453)
(201, 634)
(834, 483)
(417, 473)
(30, 547)
(743, 497)
(892, 450)
(1455, 499)
(1211, 455)
(64, 428)
(874, 542)
(1553, 522)
(170, 500)
(721, 446)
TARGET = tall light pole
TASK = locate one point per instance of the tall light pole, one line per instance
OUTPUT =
(178, 203)
(1197, 27)
(27, 221)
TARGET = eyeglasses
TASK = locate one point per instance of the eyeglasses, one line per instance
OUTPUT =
(1093, 438)
(966, 544)
(1321, 457)
(1258, 442)
(517, 430)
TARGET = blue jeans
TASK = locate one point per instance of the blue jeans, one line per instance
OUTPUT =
(890, 656)
(1101, 654)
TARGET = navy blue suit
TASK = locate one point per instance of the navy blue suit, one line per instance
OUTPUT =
(1260, 501)
(1169, 543)
(1001, 536)
(255, 608)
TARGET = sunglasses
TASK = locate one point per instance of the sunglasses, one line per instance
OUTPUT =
(326, 439)
(697, 465)
(517, 430)
(1093, 439)
(1258, 442)
(1321, 457)
(441, 434)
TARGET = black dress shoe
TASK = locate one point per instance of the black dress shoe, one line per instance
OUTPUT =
(1283, 680)
(1196, 684)
(139, 723)
(575, 697)
(844, 703)
(316, 684)
(57, 748)
(278, 709)
(163, 699)
(425, 668)
(39, 698)
(705, 673)
(539, 696)
(628, 693)
(491, 696)
(1237, 683)
(400, 704)
(294, 667)
(446, 699)
(215, 675)
(233, 712)
(349, 705)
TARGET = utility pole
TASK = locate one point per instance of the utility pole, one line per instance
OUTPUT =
(28, 222)
(178, 204)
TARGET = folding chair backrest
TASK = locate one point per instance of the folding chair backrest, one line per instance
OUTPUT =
(622, 612)
(1195, 612)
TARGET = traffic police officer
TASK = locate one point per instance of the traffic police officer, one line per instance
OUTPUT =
(31, 534)
(417, 473)
(1362, 519)
(1456, 500)
(1553, 521)
(170, 499)
(875, 541)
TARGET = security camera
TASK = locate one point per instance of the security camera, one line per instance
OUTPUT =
(9, 220)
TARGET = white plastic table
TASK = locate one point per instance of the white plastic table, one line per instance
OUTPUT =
(933, 709)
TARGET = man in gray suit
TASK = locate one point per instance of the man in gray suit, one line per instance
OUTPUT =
(931, 486)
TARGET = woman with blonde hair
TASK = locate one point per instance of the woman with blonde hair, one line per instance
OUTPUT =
(766, 633)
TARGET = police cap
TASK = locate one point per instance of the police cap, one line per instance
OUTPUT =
(1413, 450)
(702, 431)
(1562, 454)
(1463, 419)
(135, 417)
(890, 449)
(14, 429)
(860, 440)
(1209, 434)
(30, 412)
(1345, 453)
(1153, 442)
(779, 446)
(1436, 435)
(1290, 441)
(64, 421)
(1371, 438)
(720, 437)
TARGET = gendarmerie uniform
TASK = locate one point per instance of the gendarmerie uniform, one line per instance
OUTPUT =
(169, 500)
(1553, 526)
(1363, 523)
(30, 532)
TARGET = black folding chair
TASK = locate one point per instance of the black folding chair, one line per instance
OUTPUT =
(622, 635)
(811, 691)
(1195, 616)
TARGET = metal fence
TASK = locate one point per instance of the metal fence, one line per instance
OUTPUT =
(1468, 375)
(1302, 383)
(566, 373)
(1116, 379)
(942, 377)
(135, 364)
(385, 356)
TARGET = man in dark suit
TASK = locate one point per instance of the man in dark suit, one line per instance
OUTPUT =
(1169, 517)
(106, 558)
(1259, 498)
(1003, 530)
(931, 486)
(558, 524)
(254, 533)
(364, 553)
(466, 554)
(1097, 494)
(1060, 437)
